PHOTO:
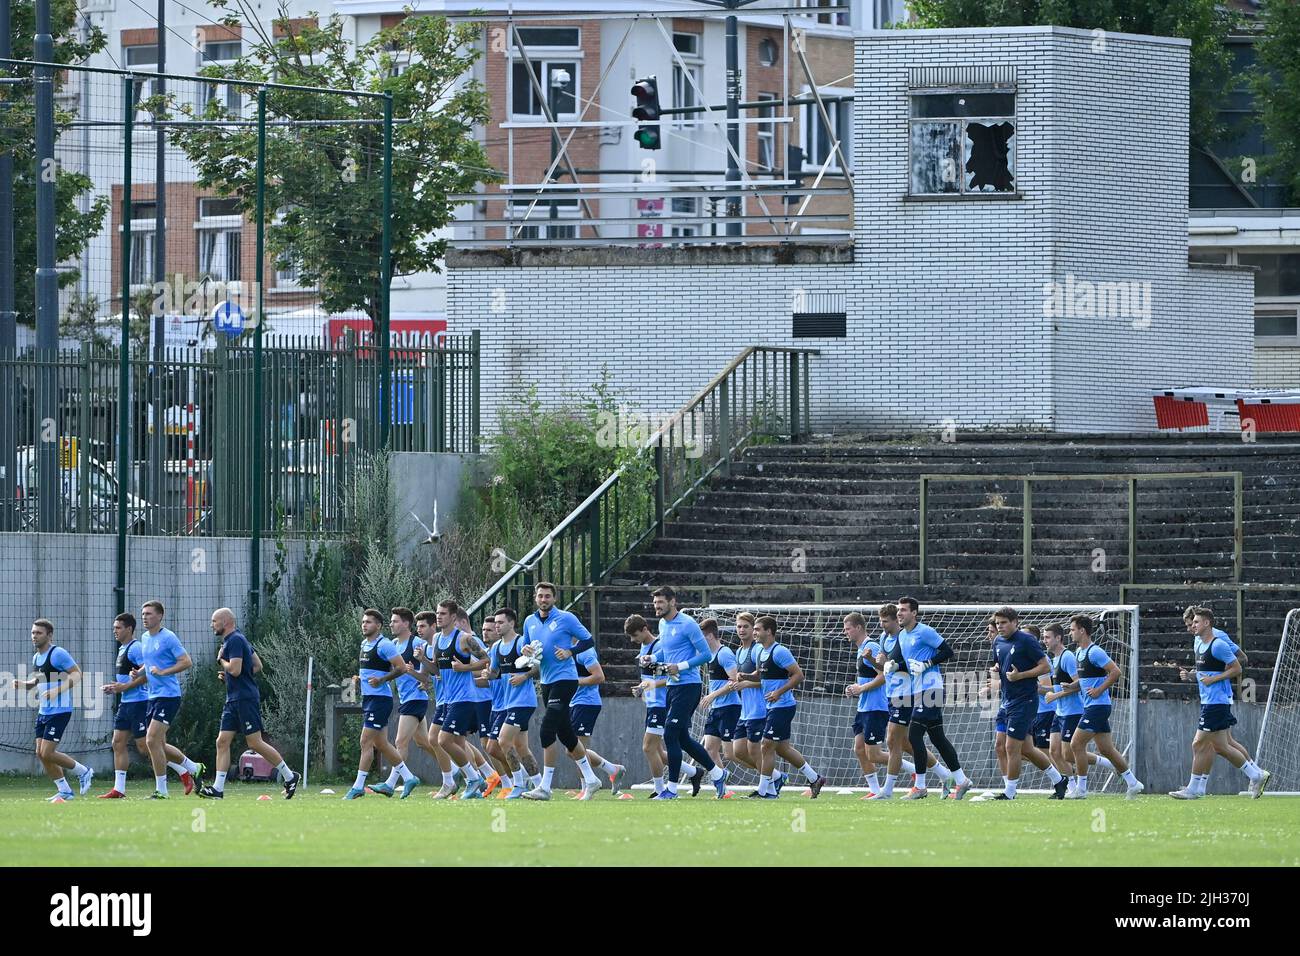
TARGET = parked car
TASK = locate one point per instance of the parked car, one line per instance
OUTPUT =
(102, 514)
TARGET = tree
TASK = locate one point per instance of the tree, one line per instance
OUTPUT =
(73, 228)
(1276, 83)
(1206, 23)
(324, 188)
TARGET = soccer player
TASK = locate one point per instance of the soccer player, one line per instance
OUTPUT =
(482, 695)
(426, 626)
(1097, 674)
(682, 649)
(460, 656)
(652, 690)
(1020, 662)
(412, 703)
(161, 658)
(131, 719)
(898, 692)
(1189, 623)
(920, 646)
(242, 712)
(558, 632)
(584, 711)
(1064, 696)
(1042, 726)
(746, 748)
(1216, 666)
(56, 674)
(721, 703)
(872, 714)
(780, 674)
(514, 708)
(379, 663)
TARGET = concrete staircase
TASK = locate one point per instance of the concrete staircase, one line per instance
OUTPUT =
(843, 514)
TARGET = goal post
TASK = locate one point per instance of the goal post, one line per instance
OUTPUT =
(823, 730)
(1278, 748)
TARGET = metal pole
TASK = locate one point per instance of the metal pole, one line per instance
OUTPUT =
(306, 725)
(733, 113)
(259, 418)
(8, 317)
(385, 279)
(157, 439)
(124, 403)
(47, 290)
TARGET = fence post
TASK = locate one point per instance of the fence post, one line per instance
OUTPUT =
(259, 416)
(659, 486)
(475, 371)
(1132, 530)
(1236, 531)
(1027, 531)
(724, 424)
(793, 385)
(81, 461)
(594, 548)
(925, 494)
(124, 404)
(387, 393)
(219, 470)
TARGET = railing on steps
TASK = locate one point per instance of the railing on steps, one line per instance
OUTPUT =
(762, 393)
(1132, 479)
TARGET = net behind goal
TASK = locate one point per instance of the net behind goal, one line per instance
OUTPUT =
(1279, 734)
(823, 729)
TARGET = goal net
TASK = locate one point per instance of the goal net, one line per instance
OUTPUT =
(823, 728)
(1278, 749)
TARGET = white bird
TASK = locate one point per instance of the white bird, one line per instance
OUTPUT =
(432, 534)
(520, 565)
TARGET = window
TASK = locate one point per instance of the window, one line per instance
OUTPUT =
(687, 44)
(1218, 257)
(524, 101)
(220, 232)
(559, 37)
(539, 222)
(1275, 326)
(818, 141)
(143, 221)
(685, 206)
(767, 52)
(1279, 273)
(962, 142)
(836, 12)
(142, 58)
(766, 134)
(224, 53)
(687, 79)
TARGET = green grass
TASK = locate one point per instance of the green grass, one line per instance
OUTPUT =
(835, 830)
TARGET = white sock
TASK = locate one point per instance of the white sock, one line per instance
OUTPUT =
(178, 767)
(873, 781)
(1104, 764)
(1082, 788)
(160, 784)
(716, 773)
(588, 775)
(890, 780)
(285, 773)
(119, 781)
(448, 778)
(1053, 774)
(689, 771)
(1005, 780)
(404, 771)
(1010, 789)
(470, 773)
(908, 766)
(535, 780)
(920, 780)
(393, 777)
(959, 777)
(219, 784)
(548, 777)
(1128, 777)
(78, 768)
(1202, 780)
(360, 783)
(190, 765)
(62, 786)
(672, 786)
(518, 778)
(659, 784)
(1251, 770)
(809, 773)
(1191, 783)
(765, 784)
(485, 770)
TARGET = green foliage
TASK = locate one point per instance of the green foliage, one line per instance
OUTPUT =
(1207, 23)
(1276, 84)
(196, 726)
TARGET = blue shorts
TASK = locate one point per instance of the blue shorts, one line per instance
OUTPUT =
(132, 716)
(462, 718)
(52, 726)
(163, 709)
(752, 729)
(583, 718)
(483, 710)
(519, 717)
(900, 711)
(439, 714)
(654, 720)
(928, 716)
(1000, 721)
(1064, 725)
(722, 722)
(778, 723)
(242, 716)
(1096, 719)
(1020, 717)
(1042, 727)
(1215, 717)
(871, 725)
(418, 709)
(498, 721)
(376, 709)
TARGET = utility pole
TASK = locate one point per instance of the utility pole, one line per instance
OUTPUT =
(8, 316)
(733, 114)
(47, 289)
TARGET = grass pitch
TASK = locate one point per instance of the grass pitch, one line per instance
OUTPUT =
(314, 830)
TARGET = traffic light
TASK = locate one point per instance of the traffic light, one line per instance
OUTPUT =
(794, 161)
(646, 93)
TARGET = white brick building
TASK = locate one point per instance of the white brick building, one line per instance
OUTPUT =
(1045, 158)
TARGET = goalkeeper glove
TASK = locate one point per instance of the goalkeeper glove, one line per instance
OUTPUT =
(890, 667)
(917, 668)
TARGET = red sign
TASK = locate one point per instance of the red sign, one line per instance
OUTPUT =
(408, 333)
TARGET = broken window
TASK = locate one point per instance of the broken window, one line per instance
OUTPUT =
(962, 142)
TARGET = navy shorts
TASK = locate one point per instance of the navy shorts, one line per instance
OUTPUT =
(654, 720)
(376, 709)
(1020, 718)
(132, 716)
(52, 726)
(900, 711)
(1096, 719)
(871, 725)
(439, 714)
(752, 729)
(242, 716)
(1000, 721)
(778, 723)
(1042, 727)
(722, 722)
(1064, 725)
(519, 717)
(583, 718)
(928, 716)
(462, 718)
(418, 709)
(498, 721)
(163, 709)
(483, 711)
(1215, 717)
